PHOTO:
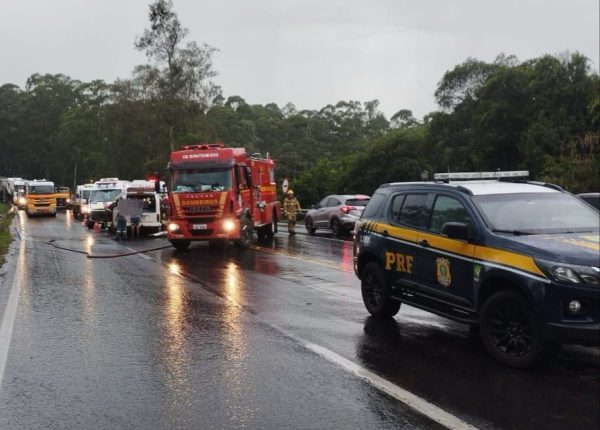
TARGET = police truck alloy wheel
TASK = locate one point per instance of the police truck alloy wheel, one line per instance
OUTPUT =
(510, 330)
(376, 293)
(310, 227)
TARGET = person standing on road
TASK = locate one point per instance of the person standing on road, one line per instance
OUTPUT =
(291, 209)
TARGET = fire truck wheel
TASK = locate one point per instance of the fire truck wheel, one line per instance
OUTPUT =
(245, 239)
(269, 231)
(180, 245)
(265, 232)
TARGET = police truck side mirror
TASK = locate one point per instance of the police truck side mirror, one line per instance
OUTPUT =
(456, 230)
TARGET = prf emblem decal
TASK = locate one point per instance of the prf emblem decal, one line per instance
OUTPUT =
(442, 271)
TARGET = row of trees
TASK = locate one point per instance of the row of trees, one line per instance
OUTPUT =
(542, 114)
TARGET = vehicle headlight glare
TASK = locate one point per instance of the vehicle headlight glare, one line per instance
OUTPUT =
(85, 210)
(173, 227)
(570, 273)
(565, 274)
(228, 226)
(22, 201)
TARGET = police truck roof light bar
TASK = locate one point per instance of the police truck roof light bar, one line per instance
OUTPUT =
(480, 175)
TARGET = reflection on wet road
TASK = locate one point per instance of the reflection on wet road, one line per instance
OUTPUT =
(220, 338)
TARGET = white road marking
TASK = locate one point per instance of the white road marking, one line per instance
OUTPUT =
(140, 254)
(8, 320)
(409, 399)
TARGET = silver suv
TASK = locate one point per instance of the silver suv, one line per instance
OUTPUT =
(336, 212)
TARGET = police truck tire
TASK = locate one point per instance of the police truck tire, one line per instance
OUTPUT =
(510, 330)
(180, 245)
(376, 292)
(310, 226)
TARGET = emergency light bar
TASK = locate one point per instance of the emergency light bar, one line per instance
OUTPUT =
(480, 175)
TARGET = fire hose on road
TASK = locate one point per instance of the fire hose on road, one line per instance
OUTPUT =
(124, 254)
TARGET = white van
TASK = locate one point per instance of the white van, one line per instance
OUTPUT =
(19, 186)
(104, 192)
(148, 201)
(80, 200)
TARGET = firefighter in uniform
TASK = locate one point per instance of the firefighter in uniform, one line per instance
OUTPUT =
(291, 209)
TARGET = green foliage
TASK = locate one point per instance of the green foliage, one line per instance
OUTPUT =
(542, 115)
(531, 115)
(5, 237)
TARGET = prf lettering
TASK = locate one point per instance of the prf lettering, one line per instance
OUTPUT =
(398, 262)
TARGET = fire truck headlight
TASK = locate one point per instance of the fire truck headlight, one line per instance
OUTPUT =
(22, 201)
(173, 227)
(228, 226)
(68, 200)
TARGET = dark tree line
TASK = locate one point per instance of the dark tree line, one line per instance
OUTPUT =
(541, 114)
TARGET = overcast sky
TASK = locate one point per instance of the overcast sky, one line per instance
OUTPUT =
(308, 52)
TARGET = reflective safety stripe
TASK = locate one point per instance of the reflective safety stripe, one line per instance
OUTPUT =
(268, 188)
(593, 245)
(507, 258)
(492, 255)
(393, 231)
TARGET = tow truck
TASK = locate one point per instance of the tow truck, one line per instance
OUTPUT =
(218, 194)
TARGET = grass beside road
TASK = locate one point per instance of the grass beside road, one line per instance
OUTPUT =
(5, 238)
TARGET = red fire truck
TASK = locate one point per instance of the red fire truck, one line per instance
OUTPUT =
(220, 194)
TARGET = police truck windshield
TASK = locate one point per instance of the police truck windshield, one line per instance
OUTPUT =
(104, 195)
(41, 189)
(543, 213)
(194, 181)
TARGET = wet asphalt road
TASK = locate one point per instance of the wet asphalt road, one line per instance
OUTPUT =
(223, 338)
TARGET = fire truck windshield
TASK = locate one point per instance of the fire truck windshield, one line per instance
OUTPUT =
(194, 181)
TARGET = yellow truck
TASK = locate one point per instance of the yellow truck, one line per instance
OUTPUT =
(40, 198)
(63, 197)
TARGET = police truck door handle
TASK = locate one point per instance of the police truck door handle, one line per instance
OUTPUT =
(423, 242)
